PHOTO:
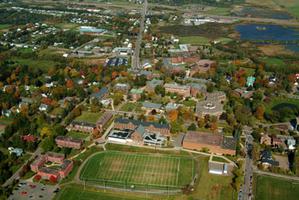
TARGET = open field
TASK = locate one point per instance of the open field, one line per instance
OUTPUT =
(41, 64)
(119, 169)
(75, 192)
(267, 187)
(194, 40)
(88, 117)
(130, 107)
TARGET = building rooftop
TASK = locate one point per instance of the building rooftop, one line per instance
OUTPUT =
(137, 123)
(150, 105)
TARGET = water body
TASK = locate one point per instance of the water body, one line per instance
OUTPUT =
(270, 33)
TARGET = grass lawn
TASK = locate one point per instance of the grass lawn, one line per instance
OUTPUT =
(267, 187)
(22, 160)
(274, 62)
(279, 101)
(44, 65)
(75, 192)
(194, 40)
(121, 169)
(88, 117)
(5, 120)
(4, 27)
(219, 159)
(218, 11)
(57, 111)
(77, 135)
(189, 103)
(129, 107)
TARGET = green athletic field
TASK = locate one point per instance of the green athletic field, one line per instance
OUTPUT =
(142, 171)
(273, 188)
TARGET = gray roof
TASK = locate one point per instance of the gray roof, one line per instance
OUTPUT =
(138, 123)
(151, 105)
(141, 130)
(153, 83)
(100, 94)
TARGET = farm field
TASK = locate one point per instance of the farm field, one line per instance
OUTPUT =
(119, 169)
(275, 188)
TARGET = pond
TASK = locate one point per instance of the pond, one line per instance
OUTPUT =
(270, 34)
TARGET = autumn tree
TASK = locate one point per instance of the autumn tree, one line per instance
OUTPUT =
(260, 111)
(173, 115)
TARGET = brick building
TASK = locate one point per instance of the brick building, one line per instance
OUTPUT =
(130, 124)
(182, 90)
(104, 119)
(61, 170)
(68, 142)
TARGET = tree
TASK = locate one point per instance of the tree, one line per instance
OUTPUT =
(47, 144)
(53, 179)
(173, 115)
(160, 90)
(192, 127)
(46, 132)
(259, 113)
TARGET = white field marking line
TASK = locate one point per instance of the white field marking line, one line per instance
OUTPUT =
(164, 169)
(120, 172)
(111, 172)
(178, 172)
(86, 166)
(162, 178)
(144, 171)
(99, 166)
(106, 167)
(124, 172)
(133, 168)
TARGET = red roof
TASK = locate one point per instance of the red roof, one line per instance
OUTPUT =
(28, 138)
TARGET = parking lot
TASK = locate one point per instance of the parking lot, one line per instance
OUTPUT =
(29, 190)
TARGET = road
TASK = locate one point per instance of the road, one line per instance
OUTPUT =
(16, 175)
(136, 55)
(247, 186)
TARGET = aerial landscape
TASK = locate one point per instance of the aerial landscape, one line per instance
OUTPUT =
(149, 99)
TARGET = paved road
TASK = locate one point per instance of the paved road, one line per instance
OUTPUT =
(16, 175)
(136, 55)
(247, 187)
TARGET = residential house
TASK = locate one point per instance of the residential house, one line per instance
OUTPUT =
(18, 151)
(135, 94)
(100, 95)
(266, 139)
(267, 160)
(171, 106)
(29, 138)
(123, 87)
